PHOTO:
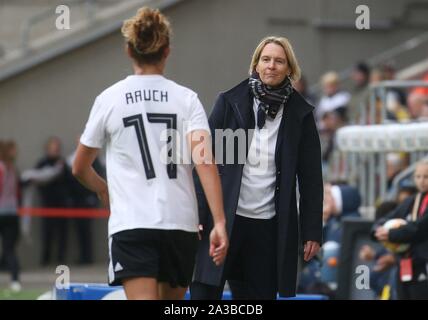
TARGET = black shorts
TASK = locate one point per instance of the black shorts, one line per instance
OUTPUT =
(167, 255)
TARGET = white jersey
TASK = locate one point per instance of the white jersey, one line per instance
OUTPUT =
(131, 118)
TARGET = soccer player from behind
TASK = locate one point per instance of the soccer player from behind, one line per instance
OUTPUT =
(153, 224)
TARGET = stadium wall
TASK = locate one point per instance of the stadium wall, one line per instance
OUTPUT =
(211, 49)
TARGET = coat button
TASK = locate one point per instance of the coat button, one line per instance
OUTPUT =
(278, 173)
(277, 188)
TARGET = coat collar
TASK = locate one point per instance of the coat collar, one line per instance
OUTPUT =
(241, 98)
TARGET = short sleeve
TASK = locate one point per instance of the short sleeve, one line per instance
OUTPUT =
(94, 134)
(197, 117)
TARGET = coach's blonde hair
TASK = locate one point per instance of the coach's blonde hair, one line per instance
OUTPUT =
(147, 35)
(288, 49)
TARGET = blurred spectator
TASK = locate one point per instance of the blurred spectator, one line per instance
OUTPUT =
(360, 76)
(376, 76)
(418, 101)
(310, 280)
(54, 194)
(331, 121)
(405, 192)
(9, 203)
(320, 274)
(396, 94)
(333, 99)
(340, 201)
(381, 261)
(395, 106)
(423, 90)
(417, 104)
(360, 93)
(395, 163)
(412, 282)
(383, 270)
(301, 86)
(403, 189)
(82, 197)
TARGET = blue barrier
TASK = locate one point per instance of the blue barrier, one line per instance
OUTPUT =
(97, 291)
(227, 295)
(84, 291)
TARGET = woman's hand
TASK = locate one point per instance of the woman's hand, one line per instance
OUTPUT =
(311, 249)
(219, 243)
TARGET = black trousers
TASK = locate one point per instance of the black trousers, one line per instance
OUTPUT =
(251, 264)
(414, 289)
(54, 233)
(84, 238)
(9, 233)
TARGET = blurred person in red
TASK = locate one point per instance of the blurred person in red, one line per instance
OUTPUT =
(9, 203)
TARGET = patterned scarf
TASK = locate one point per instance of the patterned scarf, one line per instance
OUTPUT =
(271, 98)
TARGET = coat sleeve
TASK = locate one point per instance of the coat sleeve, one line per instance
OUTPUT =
(215, 121)
(416, 231)
(398, 212)
(309, 175)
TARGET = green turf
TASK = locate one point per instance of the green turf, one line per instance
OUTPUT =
(6, 294)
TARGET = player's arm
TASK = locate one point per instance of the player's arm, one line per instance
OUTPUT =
(86, 175)
(200, 142)
(215, 121)
(200, 147)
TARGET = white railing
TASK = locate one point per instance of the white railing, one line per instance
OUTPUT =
(364, 149)
(360, 151)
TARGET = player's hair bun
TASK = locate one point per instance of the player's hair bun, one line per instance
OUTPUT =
(147, 33)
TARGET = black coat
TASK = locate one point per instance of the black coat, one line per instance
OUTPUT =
(297, 154)
(414, 232)
(55, 193)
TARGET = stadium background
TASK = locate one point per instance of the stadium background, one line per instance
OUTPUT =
(49, 78)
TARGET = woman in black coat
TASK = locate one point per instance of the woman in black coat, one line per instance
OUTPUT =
(259, 181)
